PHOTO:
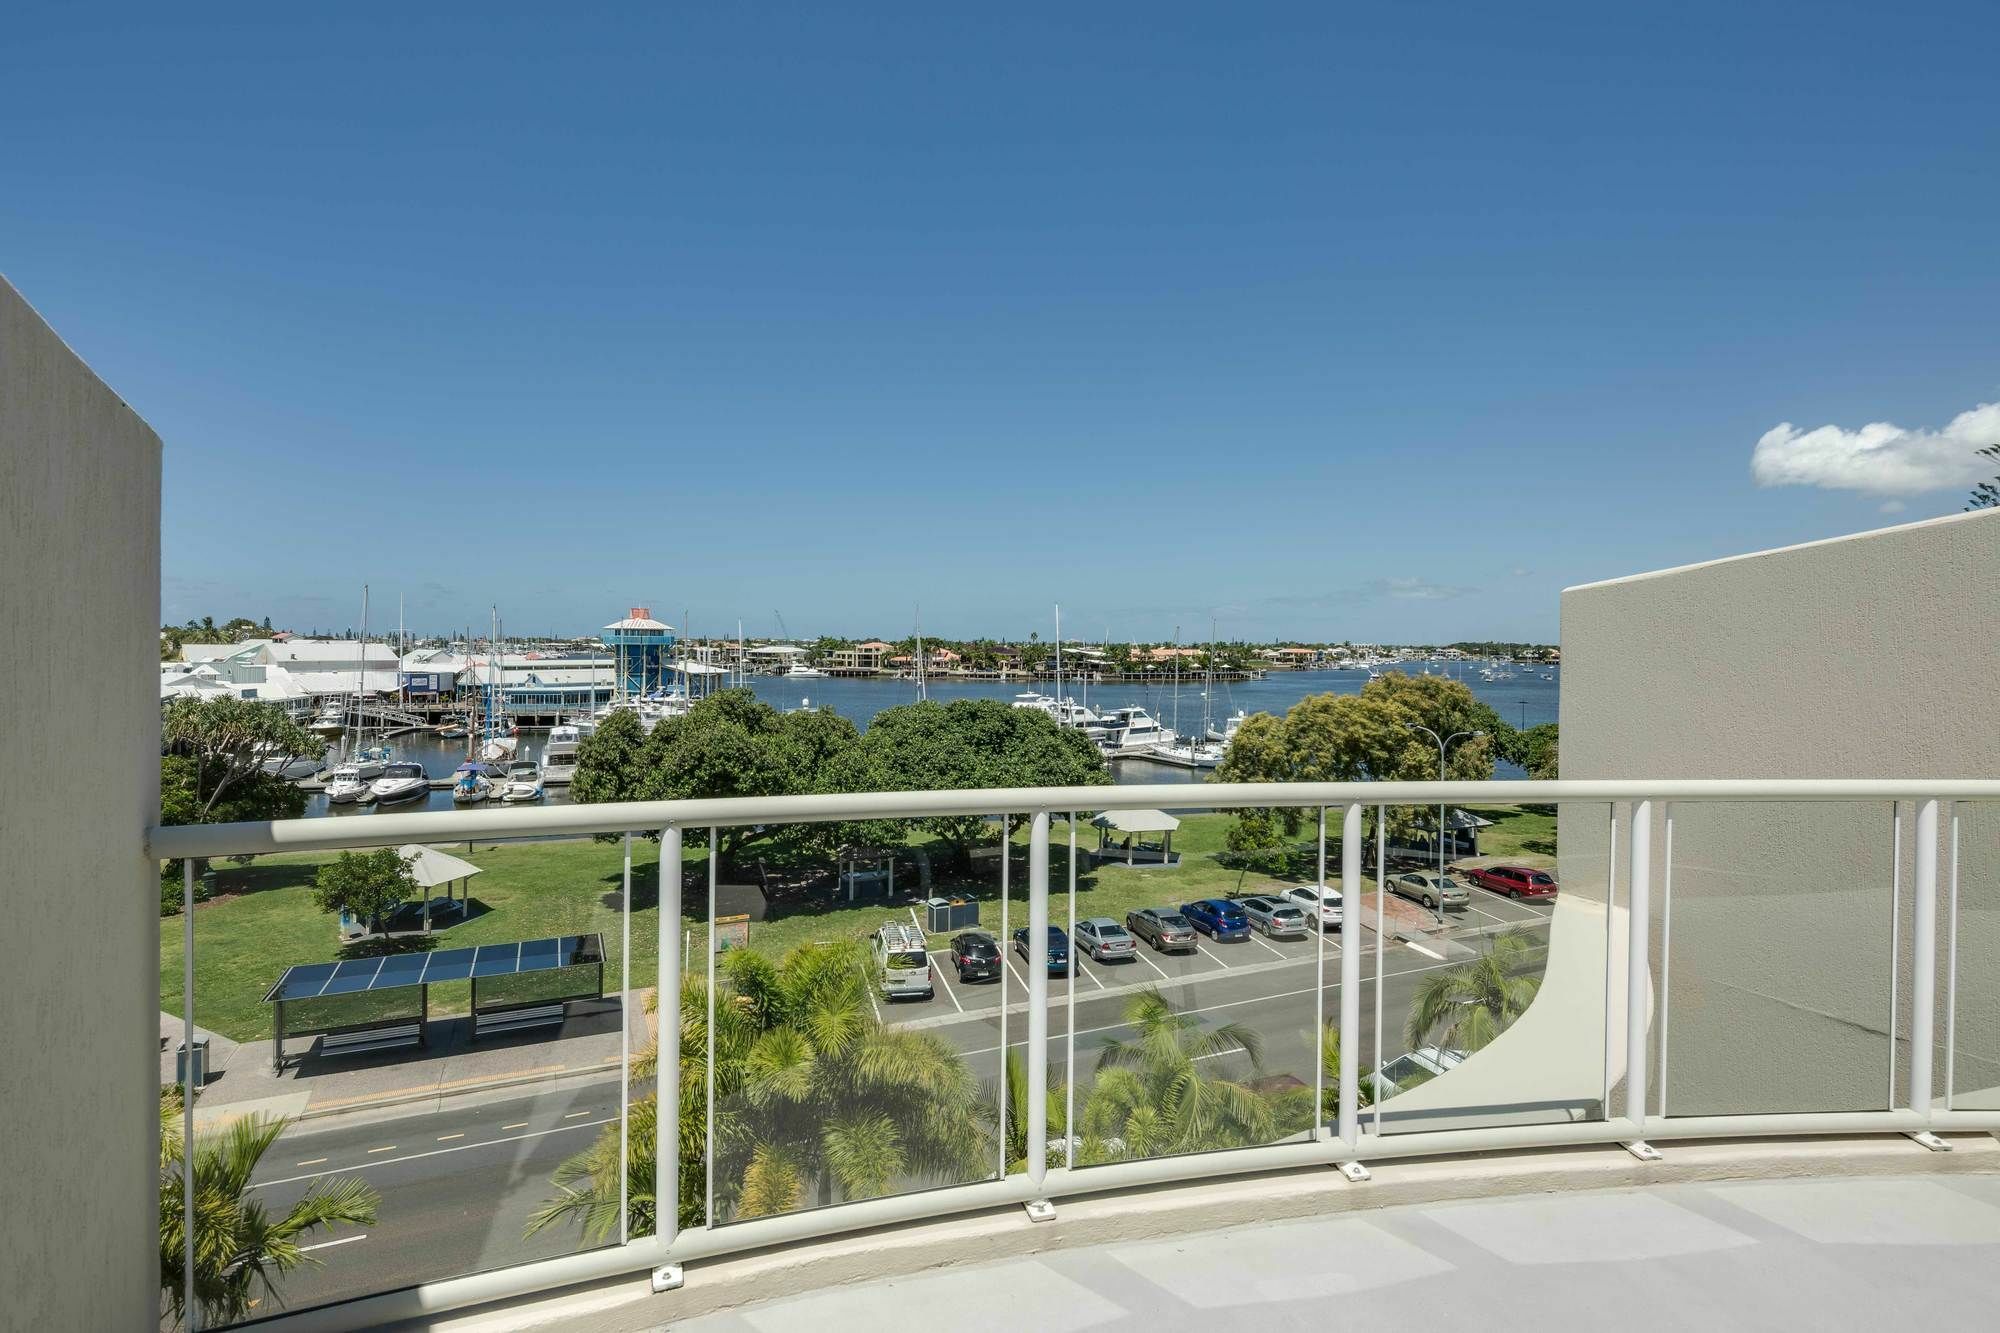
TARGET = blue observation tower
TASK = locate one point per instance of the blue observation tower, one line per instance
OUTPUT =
(643, 649)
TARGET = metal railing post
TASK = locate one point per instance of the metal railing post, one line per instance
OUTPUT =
(1923, 945)
(667, 1071)
(624, 1047)
(188, 1091)
(1350, 977)
(1319, 983)
(1037, 1127)
(1638, 963)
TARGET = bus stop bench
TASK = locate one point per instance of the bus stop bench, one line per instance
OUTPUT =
(386, 1037)
(517, 1018)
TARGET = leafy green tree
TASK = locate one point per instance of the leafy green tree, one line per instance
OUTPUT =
(241, 1249)
(1536, 750)
(816, 1101)
(224, 743)
(364, 884)
(607, 762)
(1466, 1007)
(965, 744)
(1152, 1094)
(1366, 737)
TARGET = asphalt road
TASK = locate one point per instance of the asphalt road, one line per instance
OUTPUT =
(459, 1183)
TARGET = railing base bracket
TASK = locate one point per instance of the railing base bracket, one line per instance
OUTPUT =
(668, 1277)
(1930, 1140)
(1643, 1150)
(1040, 1210)
(1354, 1171)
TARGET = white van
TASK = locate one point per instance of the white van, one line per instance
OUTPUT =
(903, 962)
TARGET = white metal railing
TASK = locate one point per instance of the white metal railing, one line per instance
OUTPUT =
(1345, 1140)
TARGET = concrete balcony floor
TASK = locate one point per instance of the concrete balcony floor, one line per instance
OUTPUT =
(1754, 1254)
(1858, 1232)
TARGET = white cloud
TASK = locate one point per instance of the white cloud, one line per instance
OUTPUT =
(1880, 458)
(1893, 506)
(1416, 590)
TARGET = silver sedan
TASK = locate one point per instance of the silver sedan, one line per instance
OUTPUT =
(1430, 889)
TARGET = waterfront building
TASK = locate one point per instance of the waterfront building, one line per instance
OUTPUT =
(870, 656)
(643, 648)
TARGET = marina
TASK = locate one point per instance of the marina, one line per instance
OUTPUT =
(1527, 700)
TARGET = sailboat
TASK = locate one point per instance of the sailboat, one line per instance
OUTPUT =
(1193, 751)
(498, 744)
(366, 760)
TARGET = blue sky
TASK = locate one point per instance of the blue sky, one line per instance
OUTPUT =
(1324, 322)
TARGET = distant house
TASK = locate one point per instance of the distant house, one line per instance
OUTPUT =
(869, 656)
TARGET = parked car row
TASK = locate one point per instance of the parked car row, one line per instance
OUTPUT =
(1297, 911)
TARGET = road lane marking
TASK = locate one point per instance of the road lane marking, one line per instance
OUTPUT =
(518, 1124)
(387, 1147)
(329, 1244)
(312, 1161)
(443, 1137)
(574, 1114)
(1422, 950)
(433, 1152)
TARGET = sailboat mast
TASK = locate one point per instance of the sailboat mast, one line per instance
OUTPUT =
(922, 692)
(1062, 714)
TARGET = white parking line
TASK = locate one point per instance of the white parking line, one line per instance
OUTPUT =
(1268, 945)
(1425, 952)
(1077, 963)
(1017, 976)
(1155, 966)
(949, 993)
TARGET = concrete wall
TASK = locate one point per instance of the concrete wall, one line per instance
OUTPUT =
(79, 990)
(1876, 655)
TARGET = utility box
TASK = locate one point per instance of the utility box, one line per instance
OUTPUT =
(946, 914)
(199, 1076)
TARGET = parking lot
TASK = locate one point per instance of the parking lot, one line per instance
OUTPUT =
(1212, 960)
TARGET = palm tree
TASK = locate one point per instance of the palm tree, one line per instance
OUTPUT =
(1466, 1007)
(816, 1101)
(1152, 1096)
(1056, 1104)
(239, 1249)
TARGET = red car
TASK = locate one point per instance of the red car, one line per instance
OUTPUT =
(1514, 881)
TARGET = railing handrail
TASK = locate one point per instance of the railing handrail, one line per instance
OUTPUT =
(385, 830)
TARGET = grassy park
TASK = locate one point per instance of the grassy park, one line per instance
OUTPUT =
(263, 919)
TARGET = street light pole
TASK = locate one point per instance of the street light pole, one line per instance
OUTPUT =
(1442, 743)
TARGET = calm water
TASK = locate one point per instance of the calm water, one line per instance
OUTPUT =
(1527, 700)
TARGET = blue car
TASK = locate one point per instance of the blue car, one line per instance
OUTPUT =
(1058, 955)
(1217, 919)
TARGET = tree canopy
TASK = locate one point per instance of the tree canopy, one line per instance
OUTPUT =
(1986, 495)
(1365, 737)
(212, 755)
(364, 884)
(962, 745)
(728, 744)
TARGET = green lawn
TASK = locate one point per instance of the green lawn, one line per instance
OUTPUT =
(263, 919)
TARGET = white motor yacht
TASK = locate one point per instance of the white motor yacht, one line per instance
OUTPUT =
(806, 673)
(401, 782)
(524, 782)
(498, 749)
(345, 786)
(329, 723)
(559, 754)
(1131, 731)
